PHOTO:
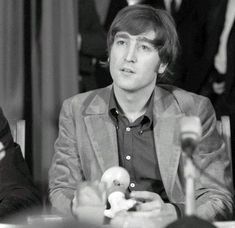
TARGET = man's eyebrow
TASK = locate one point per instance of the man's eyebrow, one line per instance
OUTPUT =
(145, 39)
(139, 39)
(121, 35)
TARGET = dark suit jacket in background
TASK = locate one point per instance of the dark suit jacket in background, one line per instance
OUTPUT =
(94, 47)
(204, 66)
(202, 77)
(17, 191)
(93, 36)
(114, 7)
(190, 21)
(103, 77)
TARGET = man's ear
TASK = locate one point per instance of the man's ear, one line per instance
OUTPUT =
(162, 68)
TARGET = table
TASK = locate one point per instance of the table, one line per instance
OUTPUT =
(56, 221)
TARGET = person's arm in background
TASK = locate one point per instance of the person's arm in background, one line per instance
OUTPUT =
(17, 192)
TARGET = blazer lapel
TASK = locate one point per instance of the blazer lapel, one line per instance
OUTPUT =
(102, 131)
(166, 135)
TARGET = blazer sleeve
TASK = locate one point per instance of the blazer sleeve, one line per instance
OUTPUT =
(17, 191)
(214, 201)
(65, 171)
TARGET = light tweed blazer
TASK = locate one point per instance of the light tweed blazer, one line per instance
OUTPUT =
(87, 145)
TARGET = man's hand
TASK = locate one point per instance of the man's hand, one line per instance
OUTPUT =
(150, 212)
(151, 205)
(89, 194)
(89, 202)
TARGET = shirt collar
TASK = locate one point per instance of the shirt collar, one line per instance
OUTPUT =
(113, 106)
(115, 109)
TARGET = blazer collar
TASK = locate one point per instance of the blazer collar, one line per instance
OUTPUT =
(163, 103)
(101, 130)
(99, 104)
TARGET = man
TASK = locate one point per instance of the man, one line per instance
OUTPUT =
(17, 192)
(134, 124)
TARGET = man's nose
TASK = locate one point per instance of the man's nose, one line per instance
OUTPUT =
(131, 53)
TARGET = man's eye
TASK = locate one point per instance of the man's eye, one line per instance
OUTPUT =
(145, 47)
(120, 42)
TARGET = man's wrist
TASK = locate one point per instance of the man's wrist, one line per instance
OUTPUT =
(71, 207)
(172, 210)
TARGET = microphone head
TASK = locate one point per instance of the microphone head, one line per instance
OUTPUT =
(190, 133)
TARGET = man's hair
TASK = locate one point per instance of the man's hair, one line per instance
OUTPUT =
(137, 19)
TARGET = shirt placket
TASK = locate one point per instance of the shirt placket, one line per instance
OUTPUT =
(128, 153)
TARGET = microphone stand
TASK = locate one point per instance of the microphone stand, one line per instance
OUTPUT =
(189, 174)
(191, 131)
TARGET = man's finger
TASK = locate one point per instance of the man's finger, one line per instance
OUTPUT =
(144, 195)
(145, 214)
(149, 206)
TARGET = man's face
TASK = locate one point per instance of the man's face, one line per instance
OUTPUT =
(134, 61)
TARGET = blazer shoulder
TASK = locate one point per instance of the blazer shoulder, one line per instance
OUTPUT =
(181, 93)
(83, 100)
(188, 102)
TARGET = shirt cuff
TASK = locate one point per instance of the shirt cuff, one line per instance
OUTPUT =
(179, 207)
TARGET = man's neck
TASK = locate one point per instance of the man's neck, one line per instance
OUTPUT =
(133, 104)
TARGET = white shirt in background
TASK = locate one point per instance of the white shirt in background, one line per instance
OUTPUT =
(220, 61)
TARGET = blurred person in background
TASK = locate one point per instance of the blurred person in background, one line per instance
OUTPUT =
(91, 44)
(94, 20)
(17, 191)
(214, 73)
(190, 20)
(107, 10)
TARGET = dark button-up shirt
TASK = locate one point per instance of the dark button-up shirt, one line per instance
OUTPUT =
(136, 147)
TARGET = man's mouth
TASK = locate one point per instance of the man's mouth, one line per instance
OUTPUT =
(127, 70)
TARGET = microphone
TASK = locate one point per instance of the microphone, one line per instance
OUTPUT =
(190, 133)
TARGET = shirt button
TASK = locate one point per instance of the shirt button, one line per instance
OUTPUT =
(128, 129)
(132, 185)
(128, 157)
